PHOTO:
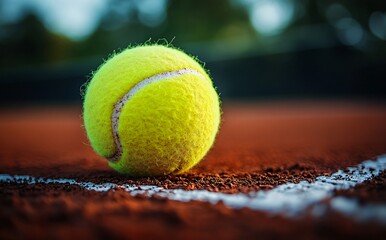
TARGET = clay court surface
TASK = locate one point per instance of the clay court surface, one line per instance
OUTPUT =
(260, 146)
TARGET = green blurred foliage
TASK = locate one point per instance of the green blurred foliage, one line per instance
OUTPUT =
(187, 22)
(214, 26)
(28, 42)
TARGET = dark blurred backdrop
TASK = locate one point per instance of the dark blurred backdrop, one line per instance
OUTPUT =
(254, 49)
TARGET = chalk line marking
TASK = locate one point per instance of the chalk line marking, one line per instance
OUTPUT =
(290, 199)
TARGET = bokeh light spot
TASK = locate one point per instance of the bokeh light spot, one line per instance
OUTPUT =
(271, 17)
(350, 32)
(151, 13)
(377, 24)
(76, 19)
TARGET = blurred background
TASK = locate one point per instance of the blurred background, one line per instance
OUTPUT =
(254, 49)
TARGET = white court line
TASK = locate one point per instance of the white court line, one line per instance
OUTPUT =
(289, 199)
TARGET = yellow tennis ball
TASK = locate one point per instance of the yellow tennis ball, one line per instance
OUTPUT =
(151, 110)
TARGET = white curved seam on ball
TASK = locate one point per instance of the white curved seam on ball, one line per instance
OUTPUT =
(121, 103)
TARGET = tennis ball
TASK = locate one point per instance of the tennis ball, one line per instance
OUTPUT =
(151, 110)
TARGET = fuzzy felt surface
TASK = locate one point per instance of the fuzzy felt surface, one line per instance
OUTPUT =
(167, 126)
